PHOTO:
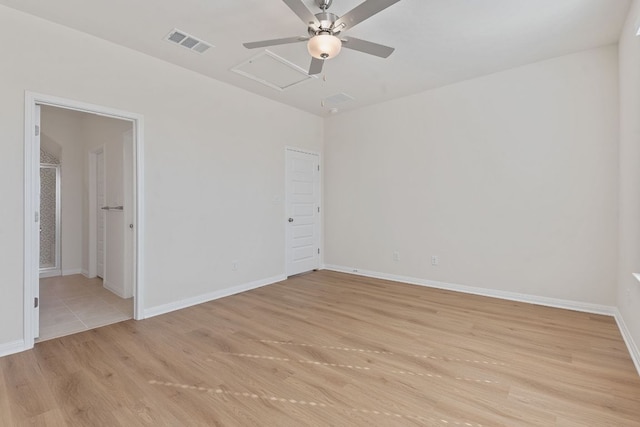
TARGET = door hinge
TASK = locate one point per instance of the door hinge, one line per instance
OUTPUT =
(36, 217)
(37, 130)
(318, 168)
(318, 251)
(36, 302)
(318, 209)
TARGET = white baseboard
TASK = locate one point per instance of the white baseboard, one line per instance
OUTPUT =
(511, 296)
(55, 273)
(188, 302)
(12, 347)
(115, 290)
(85, 273)
(634, 350)
(50, 273)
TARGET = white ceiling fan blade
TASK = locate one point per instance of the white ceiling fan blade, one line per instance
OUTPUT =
(316, 66)
(303, 12)
(274, 42)
(363, 11)
(367, 47)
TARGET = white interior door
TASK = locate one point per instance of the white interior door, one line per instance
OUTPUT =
(303, 211)
(36, 243)
(128, 171)
(116, 229)
(100, 214)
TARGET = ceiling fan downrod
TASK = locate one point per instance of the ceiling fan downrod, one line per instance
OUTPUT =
(326, 20)
(324, 4)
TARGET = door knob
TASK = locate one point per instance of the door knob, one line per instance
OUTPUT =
(290, 219)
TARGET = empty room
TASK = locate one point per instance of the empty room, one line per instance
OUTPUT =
(320, 212)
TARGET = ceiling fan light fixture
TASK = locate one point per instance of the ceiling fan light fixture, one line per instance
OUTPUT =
(324, 46)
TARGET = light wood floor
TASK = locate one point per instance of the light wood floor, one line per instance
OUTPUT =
(71, 304)
(328, 349)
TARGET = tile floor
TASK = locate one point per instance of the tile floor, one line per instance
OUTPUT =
(71, 304)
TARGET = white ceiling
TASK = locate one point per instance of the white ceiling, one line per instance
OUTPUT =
(437, 42)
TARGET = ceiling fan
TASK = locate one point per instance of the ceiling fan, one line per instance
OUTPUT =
(324, 27)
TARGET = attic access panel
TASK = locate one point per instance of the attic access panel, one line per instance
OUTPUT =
(272, 70)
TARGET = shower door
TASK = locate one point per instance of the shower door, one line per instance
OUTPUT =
(50, 220)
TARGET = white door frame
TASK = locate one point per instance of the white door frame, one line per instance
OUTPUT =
(32, 206)
(287, 249)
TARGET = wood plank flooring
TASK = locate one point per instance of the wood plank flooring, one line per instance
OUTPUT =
(329, 349)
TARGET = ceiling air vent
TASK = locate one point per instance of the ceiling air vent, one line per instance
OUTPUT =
(337, 99)
(187, 41)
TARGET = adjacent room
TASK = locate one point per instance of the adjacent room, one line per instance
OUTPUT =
(320, 212)
(76, 290)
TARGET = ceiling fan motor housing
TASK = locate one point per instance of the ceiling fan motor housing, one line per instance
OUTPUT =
(326, 20)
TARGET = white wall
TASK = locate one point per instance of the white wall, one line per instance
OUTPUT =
(65, 128)
(628, 287)
(214, 159)
(511, 179)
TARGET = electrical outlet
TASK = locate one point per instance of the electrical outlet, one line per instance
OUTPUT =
(435, 260)
(234, 265)
(396, 256)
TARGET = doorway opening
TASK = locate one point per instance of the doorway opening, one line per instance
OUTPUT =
(101, 142)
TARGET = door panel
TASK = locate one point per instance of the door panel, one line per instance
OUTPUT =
(36, 245)
(119, 216)
(303, 202)
(100, 216)
(128, 212)
(114, 218)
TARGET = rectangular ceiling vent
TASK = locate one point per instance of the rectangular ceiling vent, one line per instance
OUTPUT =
(337, 99)
(273, 71)
(187, 41)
